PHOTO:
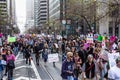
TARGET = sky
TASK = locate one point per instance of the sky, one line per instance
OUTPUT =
(21, 14)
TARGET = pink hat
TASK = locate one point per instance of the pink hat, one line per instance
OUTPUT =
(112, 38)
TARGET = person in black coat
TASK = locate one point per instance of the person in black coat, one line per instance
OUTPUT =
(82, 54)
(27, 54)
(37, 53)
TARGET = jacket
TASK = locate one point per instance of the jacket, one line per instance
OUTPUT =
(66, 66)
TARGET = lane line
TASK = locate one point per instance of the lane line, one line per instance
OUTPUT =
(17, 56)
(35, 70)
(24, 78)
(47, 72)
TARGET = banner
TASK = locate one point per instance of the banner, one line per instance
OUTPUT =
(53, 57)
(11, 39)
(112, 58)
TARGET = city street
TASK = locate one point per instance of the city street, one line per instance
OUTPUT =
(24, 71)
(73, 39)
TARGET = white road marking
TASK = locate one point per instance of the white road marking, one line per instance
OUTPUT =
(33, 67)
(20, 67)
(35, 70)
(25, 78)
(17, 56)
(20, 60)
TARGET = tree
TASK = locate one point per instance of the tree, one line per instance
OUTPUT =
(87, 12)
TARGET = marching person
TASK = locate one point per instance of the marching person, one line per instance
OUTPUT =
(27, 54)
(45, 52)
(89, 69)
(114, 72)
(54, 51)
(37, 53)
(10, 64)
(67, 67)
(77, 65)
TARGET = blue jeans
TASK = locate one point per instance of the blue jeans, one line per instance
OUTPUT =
(15, 50)
(70, 78)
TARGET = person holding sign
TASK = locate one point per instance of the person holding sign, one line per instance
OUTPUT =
(114, 72)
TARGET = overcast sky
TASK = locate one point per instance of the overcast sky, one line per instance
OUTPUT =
(21, 13)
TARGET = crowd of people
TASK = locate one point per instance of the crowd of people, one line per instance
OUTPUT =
(80, 59)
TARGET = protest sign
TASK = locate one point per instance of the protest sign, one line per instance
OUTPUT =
(89, 40)
(112, 58)
(11, 39)
(53, 57)
(95, 36)
(3, 62)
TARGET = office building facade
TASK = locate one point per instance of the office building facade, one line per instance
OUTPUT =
(36, 13)
(43, 10)
(3, 15)
(29, 14)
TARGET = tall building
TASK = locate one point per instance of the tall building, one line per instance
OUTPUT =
(56, 14)
(11, 11)
(3, 15)
(36, 13)
(54, 9)
(29, 13)
(43, 12)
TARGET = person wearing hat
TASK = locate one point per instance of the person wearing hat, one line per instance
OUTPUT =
(114, 72)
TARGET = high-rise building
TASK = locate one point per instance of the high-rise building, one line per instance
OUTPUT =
(54, 9)
(11, 11)
(36, 13)
(3, 8)
(3, 15)
(29, 13)
(43, 11)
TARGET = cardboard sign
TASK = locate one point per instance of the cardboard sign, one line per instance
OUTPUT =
(11, 39)
(90, 38)
(3, 62)
(53, 57)
(112, 58)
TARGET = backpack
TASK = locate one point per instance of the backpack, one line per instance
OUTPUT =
(11, 64)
